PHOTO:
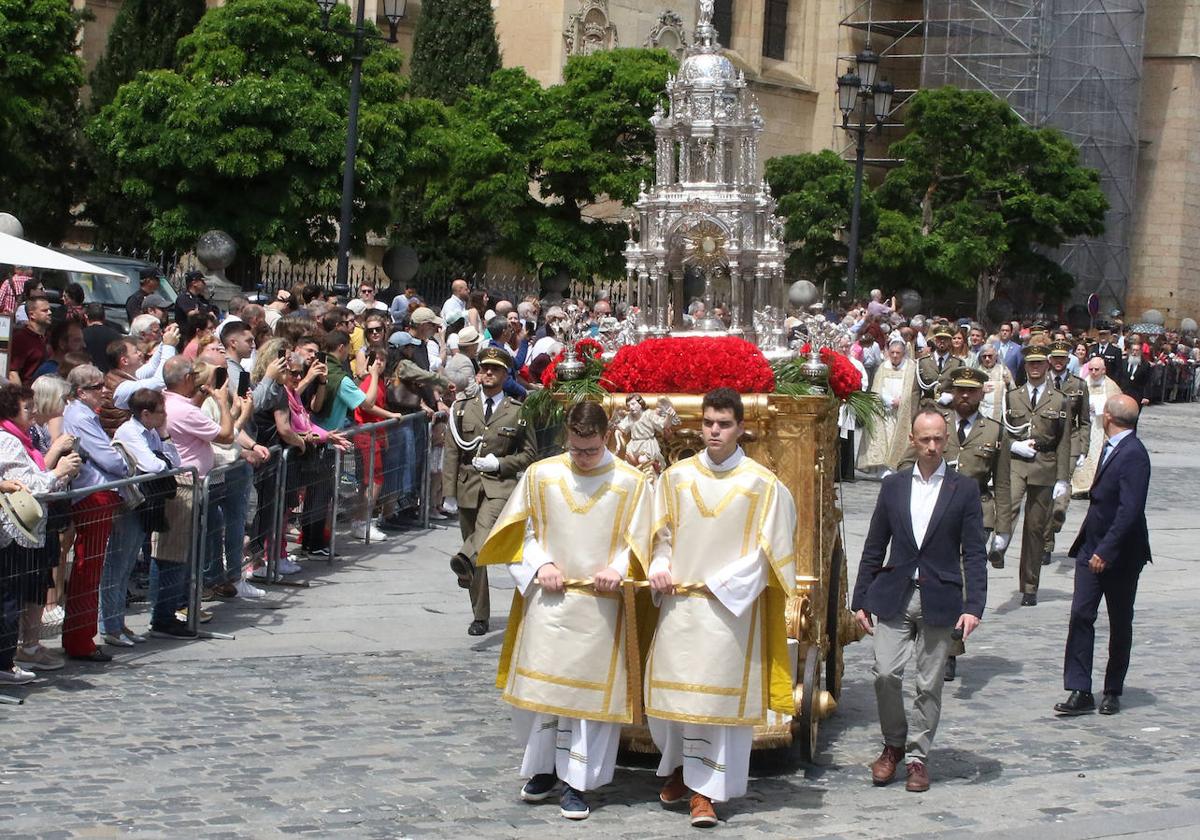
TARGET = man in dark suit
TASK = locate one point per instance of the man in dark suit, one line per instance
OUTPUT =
(1112, 547)
(1107, 349)
(1135, 377)
(933, 583)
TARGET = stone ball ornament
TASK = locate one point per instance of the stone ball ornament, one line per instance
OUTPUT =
(802, 293)
(216, 250)
(401, 263)
(11, 225)
(1153, 316)
(1188, 325)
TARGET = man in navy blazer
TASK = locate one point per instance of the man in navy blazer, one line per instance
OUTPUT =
(934, 581)
(1112, 547)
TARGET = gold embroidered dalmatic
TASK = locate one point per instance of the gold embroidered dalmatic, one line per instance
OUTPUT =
(707, 665)
(565, 653)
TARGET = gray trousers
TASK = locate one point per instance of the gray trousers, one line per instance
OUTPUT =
(897, 640)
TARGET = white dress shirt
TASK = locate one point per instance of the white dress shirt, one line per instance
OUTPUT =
(1110, 446)
(495, 400)
(142, 443)
(924, 497)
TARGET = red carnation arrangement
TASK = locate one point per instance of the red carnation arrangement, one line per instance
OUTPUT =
(689, 366)
(844, 377)
(586, 348)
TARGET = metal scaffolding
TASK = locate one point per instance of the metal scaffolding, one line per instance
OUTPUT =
(1075, 65)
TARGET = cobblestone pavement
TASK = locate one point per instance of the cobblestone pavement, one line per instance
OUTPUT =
(358, 707)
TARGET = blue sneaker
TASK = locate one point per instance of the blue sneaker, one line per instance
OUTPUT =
(539, 787)
(572, 804)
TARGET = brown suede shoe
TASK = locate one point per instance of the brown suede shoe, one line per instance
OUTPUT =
(918, 777)
(674, 791)
(884, 768)
(703, 815)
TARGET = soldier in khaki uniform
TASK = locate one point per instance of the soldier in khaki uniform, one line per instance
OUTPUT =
(1038, 436)
(1076, 391)
(492, 446)
(975, 448)
(935, 371)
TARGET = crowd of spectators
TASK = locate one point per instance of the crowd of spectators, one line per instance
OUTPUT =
(196, 393)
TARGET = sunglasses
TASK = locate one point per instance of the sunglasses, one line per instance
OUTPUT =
(295, 372)
(97, 387)
(374, 329)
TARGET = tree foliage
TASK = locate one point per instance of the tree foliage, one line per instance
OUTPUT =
(454, 47)
(979, 196)
(816, 192)
(40, 76)
(143, 37)
(247, 135)
(524, 172)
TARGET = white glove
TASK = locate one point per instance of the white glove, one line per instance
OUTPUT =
(1061, 488)
(1079, 461)
(486, 464)
(1000, 542)
(945, 399)
(450, 504)
(1024, 448)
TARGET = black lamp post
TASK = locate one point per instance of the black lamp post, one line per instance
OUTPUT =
(859, 89)
(394, 11)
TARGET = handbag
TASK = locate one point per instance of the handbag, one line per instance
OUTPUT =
(131, 495)
(157, 491)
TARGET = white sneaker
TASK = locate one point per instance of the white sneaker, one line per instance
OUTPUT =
(360, 530)
(17, 676)
(245, 589)
(118, 640)
(288, 566)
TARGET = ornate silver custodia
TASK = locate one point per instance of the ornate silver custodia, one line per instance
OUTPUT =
(708, 212)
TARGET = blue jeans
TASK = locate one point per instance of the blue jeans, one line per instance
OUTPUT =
(168, 591)
(120, 557)
(412, 460)
(227, 526)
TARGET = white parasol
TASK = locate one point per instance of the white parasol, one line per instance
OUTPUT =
(16, 251)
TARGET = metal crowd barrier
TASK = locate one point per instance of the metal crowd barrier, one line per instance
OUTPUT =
(275, 497)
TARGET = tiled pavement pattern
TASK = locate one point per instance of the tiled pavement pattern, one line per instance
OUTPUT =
(360, 708)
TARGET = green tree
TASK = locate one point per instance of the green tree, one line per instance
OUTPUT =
(978, 198)
(815, 193)
(143, 37)
(248, 134)
(40, 76)
(454, 47)
(528, 173)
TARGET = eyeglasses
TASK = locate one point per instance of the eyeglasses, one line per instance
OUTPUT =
(295, 372)
(366, 290)
(97, 387)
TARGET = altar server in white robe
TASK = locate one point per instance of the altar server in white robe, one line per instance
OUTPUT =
(576, 526)
(724, 564)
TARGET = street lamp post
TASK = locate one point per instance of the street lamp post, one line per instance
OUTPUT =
(858, 89)
(394, 11)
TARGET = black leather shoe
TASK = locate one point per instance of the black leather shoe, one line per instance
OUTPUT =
(1111, 704)
(1078, 703)
(97, 655)
(951, 669)
(1045, 558)
(462, 568)
(477, 628)
(996, 558)
(1029, 599)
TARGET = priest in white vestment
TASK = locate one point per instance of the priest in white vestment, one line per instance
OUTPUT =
(1100, 388)
(886, 440)
(576, 526)
(724, 542)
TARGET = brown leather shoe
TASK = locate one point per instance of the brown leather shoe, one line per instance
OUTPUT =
(918, 777)
(703, 815)
(674, 791)
(884, 768)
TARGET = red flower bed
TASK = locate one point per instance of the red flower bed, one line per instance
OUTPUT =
(585, 348)
(844, 377)
(689, 366)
